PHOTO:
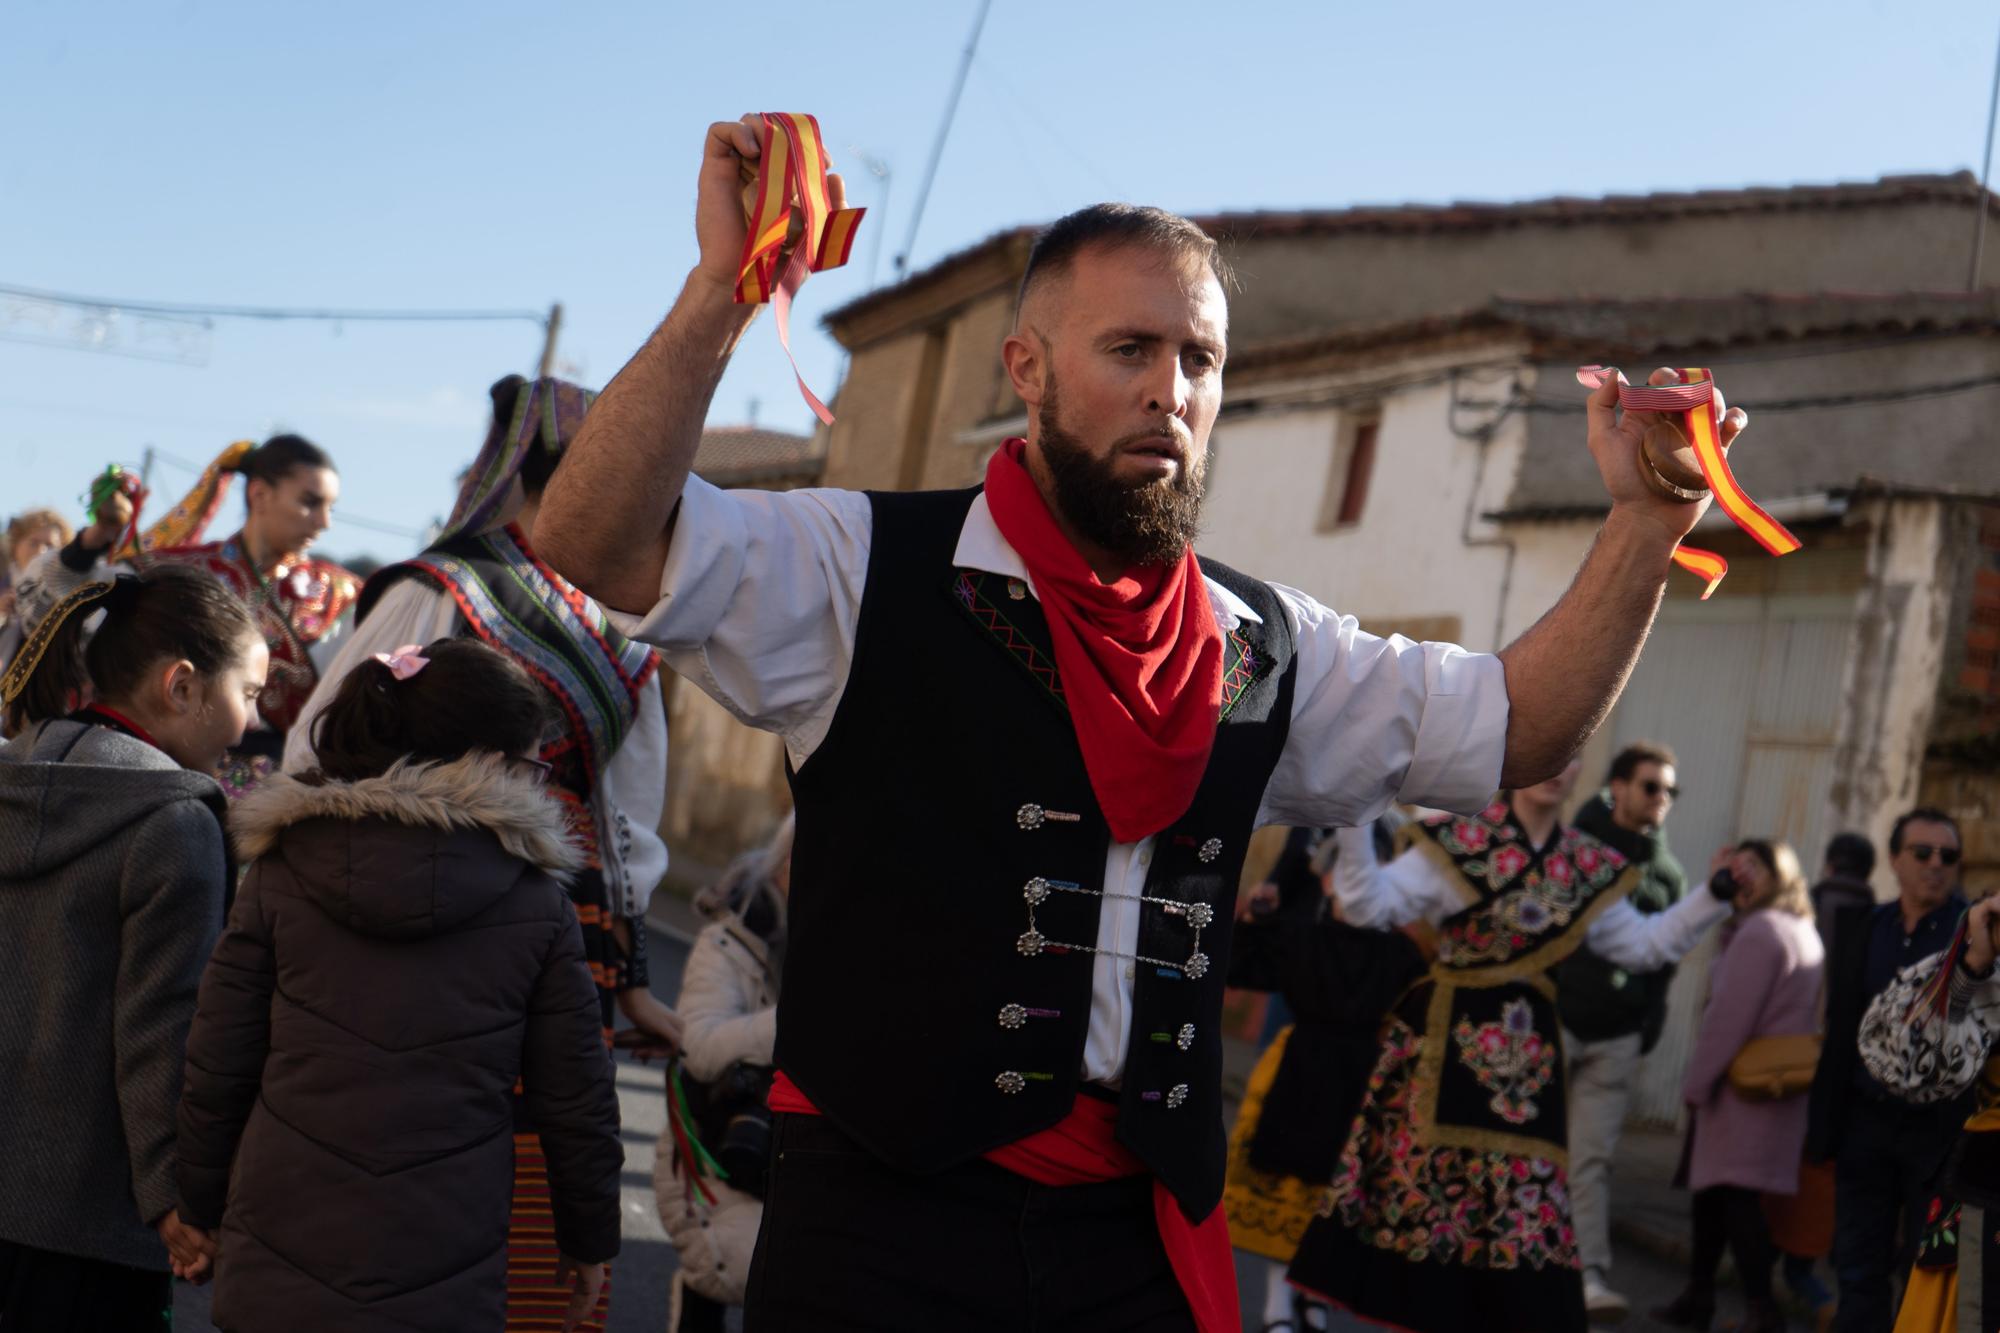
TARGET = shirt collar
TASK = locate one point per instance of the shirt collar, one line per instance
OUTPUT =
(981, 547)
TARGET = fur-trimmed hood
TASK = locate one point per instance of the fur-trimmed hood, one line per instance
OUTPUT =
(418, 849)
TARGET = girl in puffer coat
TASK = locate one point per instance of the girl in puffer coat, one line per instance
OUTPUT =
(400, 953)
(729, 1006)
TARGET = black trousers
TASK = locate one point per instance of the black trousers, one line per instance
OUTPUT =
(1887, 1168)
(849, 1243)
(1727, 1215)
(42, 1291)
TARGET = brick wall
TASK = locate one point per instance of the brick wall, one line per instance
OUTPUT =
(1962, 771)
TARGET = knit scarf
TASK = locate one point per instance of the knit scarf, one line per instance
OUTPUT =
(1140, 659)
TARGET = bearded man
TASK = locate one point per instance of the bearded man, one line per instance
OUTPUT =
(1029, 734)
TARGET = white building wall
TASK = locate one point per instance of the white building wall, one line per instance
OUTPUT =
(1420, 549)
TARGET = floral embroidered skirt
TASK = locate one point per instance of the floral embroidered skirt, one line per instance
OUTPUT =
(1435, 1236)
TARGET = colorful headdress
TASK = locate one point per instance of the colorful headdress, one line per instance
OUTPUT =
(544, 413)
(185, 523)
(83, 600)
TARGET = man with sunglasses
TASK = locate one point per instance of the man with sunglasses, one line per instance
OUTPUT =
(1887, 1153)
(1611, 1016)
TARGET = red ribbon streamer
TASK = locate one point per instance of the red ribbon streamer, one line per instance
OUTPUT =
(792, 174)
(1693, 399)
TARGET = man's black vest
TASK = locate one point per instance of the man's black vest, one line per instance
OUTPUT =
(946, 873)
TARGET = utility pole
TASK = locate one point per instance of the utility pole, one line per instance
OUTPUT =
(146, 468)
(944, 132)
(549, 332)
(1985, 170)
(879, 169)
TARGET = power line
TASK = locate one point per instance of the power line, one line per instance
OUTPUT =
(944, 132)
(1763, 407)
(1985, 172)
(328, 314)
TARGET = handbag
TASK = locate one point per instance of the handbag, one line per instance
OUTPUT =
(1770, 1069)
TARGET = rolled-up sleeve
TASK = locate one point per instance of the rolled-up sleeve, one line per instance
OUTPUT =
(759, 599)
(1376, 720)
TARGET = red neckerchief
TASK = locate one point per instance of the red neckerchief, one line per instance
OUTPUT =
(103, 715)
(1140, 659)
(1083, 1149)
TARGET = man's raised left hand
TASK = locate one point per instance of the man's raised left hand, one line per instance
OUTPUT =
(1614, 442)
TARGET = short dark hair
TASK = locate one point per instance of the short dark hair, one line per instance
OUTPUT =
(165, 614)
(1637, 753)
(468, 698)
(1851, 855)
(278, 457)
(1923, 814)
(1058, 244)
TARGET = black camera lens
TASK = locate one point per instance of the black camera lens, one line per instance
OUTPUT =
(1723, 884)
(745, 1150)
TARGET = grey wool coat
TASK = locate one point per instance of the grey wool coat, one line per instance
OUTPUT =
(112, 875)
(401, 951)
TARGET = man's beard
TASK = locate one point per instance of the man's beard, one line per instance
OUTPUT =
(1138, 523)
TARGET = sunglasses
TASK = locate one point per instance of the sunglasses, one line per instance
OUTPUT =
(543, 768)
(1653, 787)
(1947, 856)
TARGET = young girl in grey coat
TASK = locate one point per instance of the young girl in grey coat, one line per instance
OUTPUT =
(113, 873)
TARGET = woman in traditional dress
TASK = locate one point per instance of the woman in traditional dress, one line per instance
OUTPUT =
(298, 601)
(1929, 1038)
(1337, 983)
(1449, 1208)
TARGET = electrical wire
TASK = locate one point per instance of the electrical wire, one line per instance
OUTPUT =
(201, 310)
(1860, 398)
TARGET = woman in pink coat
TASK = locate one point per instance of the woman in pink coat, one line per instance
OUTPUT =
(1765, 982)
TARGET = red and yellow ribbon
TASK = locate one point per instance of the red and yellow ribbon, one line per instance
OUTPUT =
(1694, 400)
(791, 175)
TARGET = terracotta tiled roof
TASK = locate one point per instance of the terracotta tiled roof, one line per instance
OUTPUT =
(1615, 328)
(1890, 393)
(1567, 211)
(1959, 187)
(750, 455)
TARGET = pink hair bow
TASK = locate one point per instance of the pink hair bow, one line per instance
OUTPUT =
(405, 662)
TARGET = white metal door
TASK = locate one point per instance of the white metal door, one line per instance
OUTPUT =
(1747, 692)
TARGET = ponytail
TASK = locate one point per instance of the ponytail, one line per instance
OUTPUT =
(168, 613)
(463, 697)
(276, 458)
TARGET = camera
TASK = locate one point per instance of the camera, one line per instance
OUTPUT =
(1723, 885)
(735, 1119)
(745, 1150)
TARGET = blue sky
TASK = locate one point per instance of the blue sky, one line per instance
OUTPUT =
(506, 155)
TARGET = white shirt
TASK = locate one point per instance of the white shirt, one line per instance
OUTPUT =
(631, 792)
(1413, 887)
(758, 605)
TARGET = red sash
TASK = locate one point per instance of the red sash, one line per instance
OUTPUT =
(1083, 1149)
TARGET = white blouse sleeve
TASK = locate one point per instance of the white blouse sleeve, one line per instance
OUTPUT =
(411, 611)
(629, 800)
(1377, 895)
(759, 600)
(1927, 1059)
(1648, 941)
(1378, 720)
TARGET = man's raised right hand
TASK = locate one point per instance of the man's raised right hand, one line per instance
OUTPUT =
(719, 224)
